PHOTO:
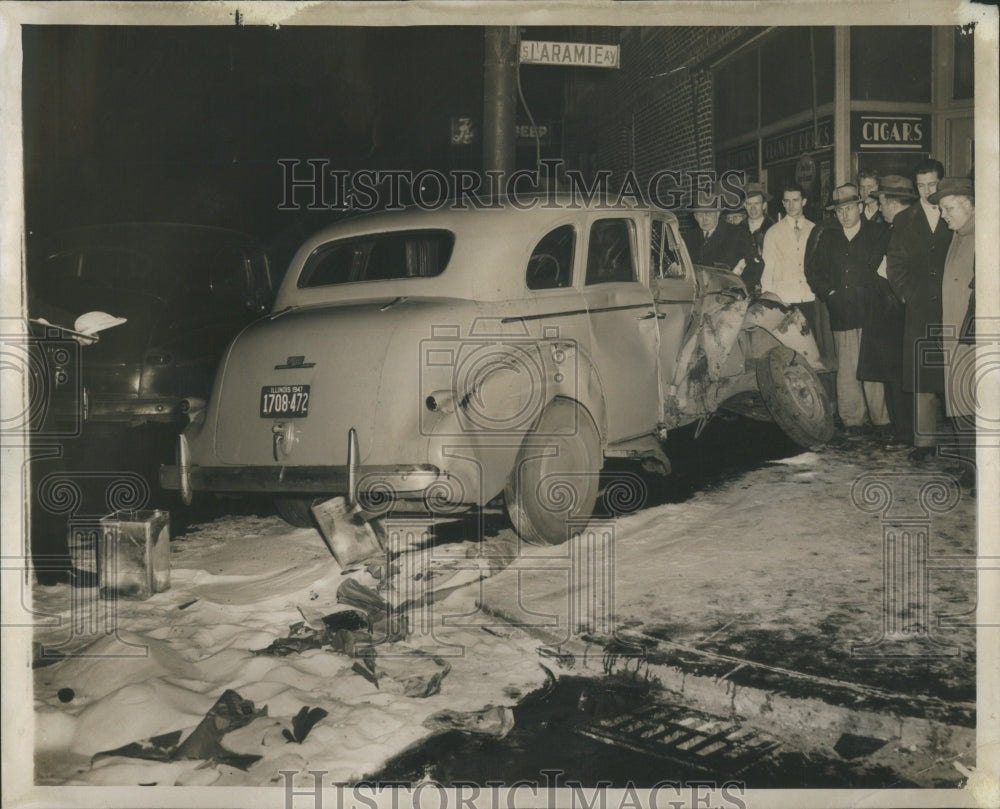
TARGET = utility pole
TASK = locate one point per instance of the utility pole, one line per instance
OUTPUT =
(499, 98)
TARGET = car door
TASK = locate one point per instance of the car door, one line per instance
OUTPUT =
(672, 284)
(623, 323)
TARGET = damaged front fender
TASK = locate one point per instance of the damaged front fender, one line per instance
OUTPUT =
(786, 325)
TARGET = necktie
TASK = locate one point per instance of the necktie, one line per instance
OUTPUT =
(798, 230)
(704, 236)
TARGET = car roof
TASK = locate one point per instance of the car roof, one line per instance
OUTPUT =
(501, 237)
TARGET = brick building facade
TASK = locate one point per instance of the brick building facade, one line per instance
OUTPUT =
(810, 105)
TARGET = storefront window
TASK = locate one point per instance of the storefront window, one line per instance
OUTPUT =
(964, 75)
(786, 80)
(736, 97)
(891, 63)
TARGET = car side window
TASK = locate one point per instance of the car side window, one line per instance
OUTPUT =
(551, 262)
(665, 258)
(610, 256)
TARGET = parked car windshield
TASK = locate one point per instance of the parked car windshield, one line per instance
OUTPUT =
(379, 257)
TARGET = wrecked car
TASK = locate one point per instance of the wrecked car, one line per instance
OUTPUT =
(440, 360)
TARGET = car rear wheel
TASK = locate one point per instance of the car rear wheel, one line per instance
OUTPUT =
(556, 475)
(796, 398)
(295, 511)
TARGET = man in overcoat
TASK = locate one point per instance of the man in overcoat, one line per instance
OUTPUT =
(717, 243)
(839, 269)
(915, 266)
(882, 333)
(956, 198)
(757, 223)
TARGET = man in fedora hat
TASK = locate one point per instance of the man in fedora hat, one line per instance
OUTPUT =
(881, 357)
(915, 266)
(840, 268)
(957, 201)
(718, 243)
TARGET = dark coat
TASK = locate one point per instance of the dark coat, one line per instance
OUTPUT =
(881, 355)
(840, 272)
(758, 235)
(878, 219)
(727, 246)
(915, 259)
(755, 269)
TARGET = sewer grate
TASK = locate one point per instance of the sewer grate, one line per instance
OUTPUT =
(684, 736)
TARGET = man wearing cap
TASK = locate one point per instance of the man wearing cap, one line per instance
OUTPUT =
(840, 270)
(715, 242)
(757, 219)
(757, 223)
(915, 267)
(881, 356)
(957, 201)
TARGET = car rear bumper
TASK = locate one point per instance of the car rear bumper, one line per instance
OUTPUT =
(91, 407)
(407, 481)
(128, 409)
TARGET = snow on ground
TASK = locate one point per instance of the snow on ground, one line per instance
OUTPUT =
(236, 585)
(781, 553)
(783, 565)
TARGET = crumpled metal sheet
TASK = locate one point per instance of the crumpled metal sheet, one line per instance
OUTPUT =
(229, 712)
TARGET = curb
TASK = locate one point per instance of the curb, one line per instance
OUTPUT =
(928, 752)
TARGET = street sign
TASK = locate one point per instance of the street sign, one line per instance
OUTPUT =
(526, 133)
(577, 54)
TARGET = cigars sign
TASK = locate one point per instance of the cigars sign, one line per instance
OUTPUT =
(872, 132)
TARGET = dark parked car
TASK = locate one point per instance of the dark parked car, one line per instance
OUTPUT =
(184, 291)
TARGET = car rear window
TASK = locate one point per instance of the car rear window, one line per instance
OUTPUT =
(379, 257)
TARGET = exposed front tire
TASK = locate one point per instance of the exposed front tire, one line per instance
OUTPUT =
(795, 396)
(556, 474)
(295, 511)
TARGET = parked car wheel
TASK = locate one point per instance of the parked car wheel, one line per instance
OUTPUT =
(796, 397)
(295, 511)
(556, 474)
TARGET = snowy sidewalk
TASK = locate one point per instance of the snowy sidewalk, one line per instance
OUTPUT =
(767, 596)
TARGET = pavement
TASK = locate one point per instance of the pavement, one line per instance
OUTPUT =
(826, 599)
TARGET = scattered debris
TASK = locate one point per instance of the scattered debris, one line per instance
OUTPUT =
(66, 694)
(350, 538)
(387, 624)
(411, 673)
(187, 604)
(493, 720)
(230, 712)
(302, 723)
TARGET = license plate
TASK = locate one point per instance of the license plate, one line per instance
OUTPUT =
(284, 401)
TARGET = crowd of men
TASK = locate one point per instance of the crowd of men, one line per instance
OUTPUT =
(886, 282)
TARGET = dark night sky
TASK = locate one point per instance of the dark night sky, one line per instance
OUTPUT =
(188, 123)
